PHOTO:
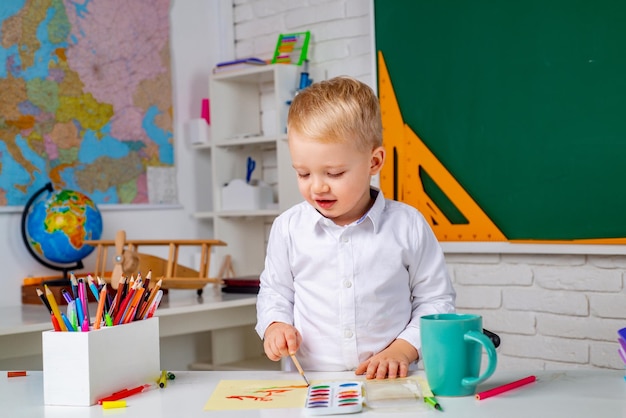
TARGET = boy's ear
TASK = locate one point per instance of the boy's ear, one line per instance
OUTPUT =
(377, 160)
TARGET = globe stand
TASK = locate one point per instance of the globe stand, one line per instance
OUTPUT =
(63, 268)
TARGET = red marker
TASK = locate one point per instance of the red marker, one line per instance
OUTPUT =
(505, 388)
(125, 393)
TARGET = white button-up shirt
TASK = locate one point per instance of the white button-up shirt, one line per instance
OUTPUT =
(352, 290)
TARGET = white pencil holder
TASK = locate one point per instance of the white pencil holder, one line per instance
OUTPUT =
(81, 367)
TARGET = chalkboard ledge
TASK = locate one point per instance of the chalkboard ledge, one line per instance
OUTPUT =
(514, 248)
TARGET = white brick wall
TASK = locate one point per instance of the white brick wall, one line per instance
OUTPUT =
(551, 311)
(341, 38)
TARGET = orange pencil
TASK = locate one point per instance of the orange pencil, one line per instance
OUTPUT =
(130, 314)
(100, 310)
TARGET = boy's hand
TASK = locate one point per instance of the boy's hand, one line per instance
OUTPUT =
(281, 340)
(392, 362)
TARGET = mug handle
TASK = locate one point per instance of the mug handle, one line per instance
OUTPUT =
(483, 340)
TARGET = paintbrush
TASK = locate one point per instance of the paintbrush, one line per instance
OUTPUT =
(297, 363)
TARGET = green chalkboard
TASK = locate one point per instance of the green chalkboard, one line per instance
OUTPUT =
(523, 102)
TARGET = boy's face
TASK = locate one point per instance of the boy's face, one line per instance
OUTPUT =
(335, 177)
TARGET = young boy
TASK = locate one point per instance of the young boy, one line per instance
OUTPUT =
(348, 273)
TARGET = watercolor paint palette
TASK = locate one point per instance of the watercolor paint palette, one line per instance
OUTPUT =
(333, 398)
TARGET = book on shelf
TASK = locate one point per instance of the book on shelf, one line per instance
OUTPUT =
(238, 64)
(245, 284)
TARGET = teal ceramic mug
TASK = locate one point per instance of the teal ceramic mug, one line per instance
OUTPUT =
(451, 351)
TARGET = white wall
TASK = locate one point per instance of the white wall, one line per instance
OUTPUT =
(196, 47)
(341, 37)
(551, 310)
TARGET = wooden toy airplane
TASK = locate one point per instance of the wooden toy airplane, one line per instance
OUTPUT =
(128, 260)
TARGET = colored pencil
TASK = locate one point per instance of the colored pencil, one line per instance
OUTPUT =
(100, 310)
(153, 293)
(44, 300)
(55, 323)
(154, 305)
(118, 296)
(54, 307)
(117, 319)
(93, 288)
(129, 315)
(74, 285)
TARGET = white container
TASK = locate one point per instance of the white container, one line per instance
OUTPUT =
(79, 368)
(239, 195)
(198, 132)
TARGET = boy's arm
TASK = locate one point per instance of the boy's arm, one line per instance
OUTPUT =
(431, 287)
(392, 362)
(276, 293)
(281, 340)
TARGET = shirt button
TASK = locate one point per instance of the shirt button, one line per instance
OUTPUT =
(344, 239)
(347, 333)
(347, 283)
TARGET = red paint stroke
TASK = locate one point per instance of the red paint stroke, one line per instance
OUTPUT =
(267, 393)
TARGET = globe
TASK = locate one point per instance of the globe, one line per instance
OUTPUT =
(55, 224)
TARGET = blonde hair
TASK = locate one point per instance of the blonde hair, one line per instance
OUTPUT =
(337, 110)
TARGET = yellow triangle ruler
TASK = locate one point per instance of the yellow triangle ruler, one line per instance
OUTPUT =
(399, 178)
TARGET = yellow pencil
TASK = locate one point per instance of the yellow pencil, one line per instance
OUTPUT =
(54, 307)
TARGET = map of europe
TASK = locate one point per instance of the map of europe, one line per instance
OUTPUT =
(85, 97)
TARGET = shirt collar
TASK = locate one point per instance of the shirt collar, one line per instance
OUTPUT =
(376, 211)
(374, 214)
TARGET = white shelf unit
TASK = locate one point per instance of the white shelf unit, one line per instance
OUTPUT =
(248, 119)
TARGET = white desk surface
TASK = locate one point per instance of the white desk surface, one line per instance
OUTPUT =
(571, 393)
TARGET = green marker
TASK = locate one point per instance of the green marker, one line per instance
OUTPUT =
(433, 402)
(107, 320)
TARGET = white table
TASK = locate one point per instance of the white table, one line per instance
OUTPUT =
(221, 313)
(556, 394)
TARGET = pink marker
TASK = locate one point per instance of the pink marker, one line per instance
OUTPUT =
(85, 325)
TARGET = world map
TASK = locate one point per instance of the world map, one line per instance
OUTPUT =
(85, 97)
